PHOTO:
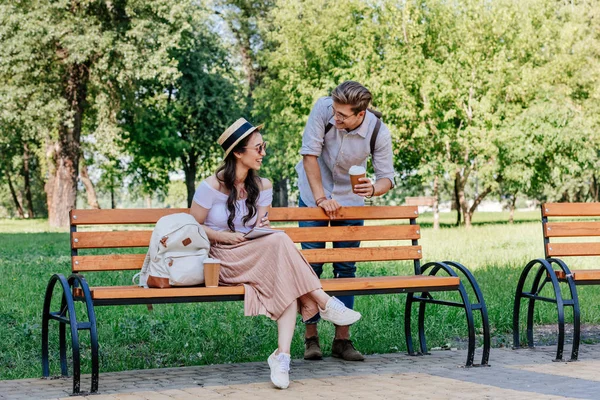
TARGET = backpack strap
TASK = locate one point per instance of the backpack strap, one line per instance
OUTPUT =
(328, 128)
(374, 136)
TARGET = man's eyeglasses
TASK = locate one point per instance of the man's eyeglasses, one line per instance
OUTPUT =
(339, 116)
(259, 147)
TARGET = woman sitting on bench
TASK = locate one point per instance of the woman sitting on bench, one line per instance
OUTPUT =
(277, 279)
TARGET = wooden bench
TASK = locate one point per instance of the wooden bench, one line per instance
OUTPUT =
(426, 201)
(418, 286)
(553, 270)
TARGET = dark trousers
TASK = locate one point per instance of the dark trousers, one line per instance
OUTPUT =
(340, 269)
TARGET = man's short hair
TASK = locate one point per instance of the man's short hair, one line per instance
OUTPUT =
(352, 93)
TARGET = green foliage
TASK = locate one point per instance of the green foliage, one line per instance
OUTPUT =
(173, 125)
(499, 98)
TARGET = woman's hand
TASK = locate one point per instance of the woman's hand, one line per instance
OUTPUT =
(231, 237)
(264, 221)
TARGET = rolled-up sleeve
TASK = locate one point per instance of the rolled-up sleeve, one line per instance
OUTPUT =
(314, 131)
(383, 162)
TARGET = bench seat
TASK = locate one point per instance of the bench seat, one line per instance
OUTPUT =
(370, 285)
(582, 276)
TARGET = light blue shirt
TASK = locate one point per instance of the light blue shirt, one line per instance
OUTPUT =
(338, 150)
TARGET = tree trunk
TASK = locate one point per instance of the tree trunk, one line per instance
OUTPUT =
(27, 180)
(511, 215)
(595, 188)
(280, 193)
(476, 203)
(89, 187)
(13, 194)
(190, 168)
(112, 197)
(436, 204)
(456, 198)
(462, 200)
(61, 187)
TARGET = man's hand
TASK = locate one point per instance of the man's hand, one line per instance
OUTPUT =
(364, 188)
(330, 207)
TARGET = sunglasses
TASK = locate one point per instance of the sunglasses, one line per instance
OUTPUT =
(259, 147)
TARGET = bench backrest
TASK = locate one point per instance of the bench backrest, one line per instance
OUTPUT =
(419, 201)
(394, 229)
(563, 228)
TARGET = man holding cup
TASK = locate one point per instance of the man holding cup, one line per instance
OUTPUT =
(340, 134)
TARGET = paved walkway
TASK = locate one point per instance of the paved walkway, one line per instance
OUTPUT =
(522, 374)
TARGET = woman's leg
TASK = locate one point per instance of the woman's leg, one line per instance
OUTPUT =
(285, 328)
(320, 297)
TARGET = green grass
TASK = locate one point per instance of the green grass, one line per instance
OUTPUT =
(131, 337)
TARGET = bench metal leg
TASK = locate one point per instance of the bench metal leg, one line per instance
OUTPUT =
(77, 280)
(543, 275)
(68, 307)
(407, 330)
(574, 302)
(424, 298)
(480, 305)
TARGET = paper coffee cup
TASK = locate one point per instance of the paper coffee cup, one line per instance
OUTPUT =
(356, 172)
(212, 269)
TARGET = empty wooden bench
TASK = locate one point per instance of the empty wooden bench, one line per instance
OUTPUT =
(401, 244)
(553, 270)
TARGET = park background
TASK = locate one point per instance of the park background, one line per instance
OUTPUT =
(119, 104)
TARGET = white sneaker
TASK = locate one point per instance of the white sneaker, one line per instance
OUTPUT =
(280, 369)
(336, 312)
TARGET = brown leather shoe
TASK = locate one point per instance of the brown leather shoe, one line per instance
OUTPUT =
(344, 349)
(312, 349)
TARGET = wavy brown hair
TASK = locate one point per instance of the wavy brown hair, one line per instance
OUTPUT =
(226, 175)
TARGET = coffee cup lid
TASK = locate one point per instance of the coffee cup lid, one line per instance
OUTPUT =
(357, 170)
(212, 260)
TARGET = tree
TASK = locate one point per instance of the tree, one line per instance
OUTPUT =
(69, 49)
(176, 125)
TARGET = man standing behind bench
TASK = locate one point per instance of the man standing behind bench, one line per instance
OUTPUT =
(338, 135)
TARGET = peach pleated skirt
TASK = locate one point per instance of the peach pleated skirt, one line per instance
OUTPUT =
(274, 274)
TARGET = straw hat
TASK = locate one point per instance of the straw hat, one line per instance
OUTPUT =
(235, 133)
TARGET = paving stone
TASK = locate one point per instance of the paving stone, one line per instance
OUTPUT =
(525, 373)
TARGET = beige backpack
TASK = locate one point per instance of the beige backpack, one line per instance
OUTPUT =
(176, 254)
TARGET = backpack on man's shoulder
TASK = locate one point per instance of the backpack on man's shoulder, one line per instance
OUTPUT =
(176, 254)
(375, 130)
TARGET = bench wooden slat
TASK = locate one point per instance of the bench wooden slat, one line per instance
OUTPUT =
(414, 283)
(571, 209)
(354, 233)
(119, 239)
(150, 216)
(112, 262)
(572, 249)
(581, 274)
(571, 229)
(110, 239)
(363, 254)
(367, 213)
(122, 216)
(116, 262)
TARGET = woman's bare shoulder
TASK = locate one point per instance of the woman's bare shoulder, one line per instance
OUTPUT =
(213, 182)
(265, 184)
